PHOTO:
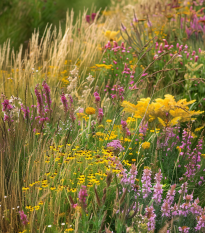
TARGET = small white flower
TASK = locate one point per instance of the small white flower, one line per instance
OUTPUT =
(49, 225)
(5, 196)
(62, 223)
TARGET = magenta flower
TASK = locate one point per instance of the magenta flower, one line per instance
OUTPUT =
(39, 100)
(116, 145)
(146, 182)
(157, 196)
(23, 217)
(144, 74)
(100, 114)
(82, 195)
(151, 218)
(201, 224)
(87, 18)
(46, 94)
(6, 106)
(93, 15)
(64, 102)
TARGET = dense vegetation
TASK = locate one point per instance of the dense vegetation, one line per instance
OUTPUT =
(102, 124)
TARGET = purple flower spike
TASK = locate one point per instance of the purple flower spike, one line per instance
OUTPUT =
(23, 217)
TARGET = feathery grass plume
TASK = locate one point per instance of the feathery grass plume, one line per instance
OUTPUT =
(104, 195)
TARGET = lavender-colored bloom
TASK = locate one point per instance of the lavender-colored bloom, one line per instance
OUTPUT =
(201, 224)
(166, 208)
(157, 196)
(116, 145)
(174, 210)
(97, 97)
(82, 196)
(170, 194)
(151, 218)
(23, 217)
(123, 123)
(130, 177)
(183, 188)
(146, 182)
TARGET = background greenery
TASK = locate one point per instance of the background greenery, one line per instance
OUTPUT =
(19, 18)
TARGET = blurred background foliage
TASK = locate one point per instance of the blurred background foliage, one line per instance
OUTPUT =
(19, 18)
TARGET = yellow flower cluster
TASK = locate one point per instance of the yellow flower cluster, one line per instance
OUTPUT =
(176, 110)
(146, 145)
(90, 111)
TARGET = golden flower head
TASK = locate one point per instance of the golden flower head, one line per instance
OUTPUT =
(146, 145)
(90, 111)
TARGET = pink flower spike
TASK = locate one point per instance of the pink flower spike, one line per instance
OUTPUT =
(156, 46)
(144, 74)
(199, 50)
(196, 58)
(193, 53)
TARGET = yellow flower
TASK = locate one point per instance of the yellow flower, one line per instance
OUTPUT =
(108, 67)
(146, 145)
(69, 229)
(108, 121)
(198, 129)
(203, 155)
(80, 115)
(111, 35)
(90, 111)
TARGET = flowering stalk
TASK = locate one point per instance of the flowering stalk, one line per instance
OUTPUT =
(23, 217)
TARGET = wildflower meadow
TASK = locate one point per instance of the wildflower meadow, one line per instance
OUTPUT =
(102, 125)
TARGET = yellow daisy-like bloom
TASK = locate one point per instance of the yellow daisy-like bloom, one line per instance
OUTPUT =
(146, 145)
(90, 111)
(111, 35)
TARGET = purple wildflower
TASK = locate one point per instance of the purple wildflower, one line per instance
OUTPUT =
(23, 217)
(201, 224)
(116, 145)
(82, 196)
(6, 106)
(184, 229)
(64, 102)
(157, 196)
(93, 16)
(39, 100)
(46, 91)
(100, 114)
(151, 218)
(146, 182)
